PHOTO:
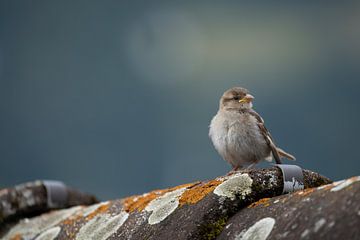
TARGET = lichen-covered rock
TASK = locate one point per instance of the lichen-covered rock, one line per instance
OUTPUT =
(36, 197)
(327, 212)
(200, 210)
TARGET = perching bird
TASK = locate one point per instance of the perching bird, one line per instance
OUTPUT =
(239, 134)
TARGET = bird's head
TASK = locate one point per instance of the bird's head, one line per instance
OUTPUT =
(236, 98)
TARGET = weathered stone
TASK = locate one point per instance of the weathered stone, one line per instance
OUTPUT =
(32, 198)
(198, 210)
(328, 212)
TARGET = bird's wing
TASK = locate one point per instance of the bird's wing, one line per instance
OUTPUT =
(269, 140)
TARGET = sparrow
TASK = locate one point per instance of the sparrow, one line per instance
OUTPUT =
(238, 133)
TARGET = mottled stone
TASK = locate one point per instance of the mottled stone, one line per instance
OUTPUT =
(201, 210)
(327, 212)
(29, 228)
(32, 199)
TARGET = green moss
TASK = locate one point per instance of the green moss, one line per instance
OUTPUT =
(212, 230)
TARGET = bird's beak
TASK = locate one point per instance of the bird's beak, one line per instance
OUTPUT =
(248, 98)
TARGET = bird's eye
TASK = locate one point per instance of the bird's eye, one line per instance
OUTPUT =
(237, 98)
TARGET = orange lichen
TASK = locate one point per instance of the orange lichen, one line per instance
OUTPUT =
(16, 237)
(102, 209)
(139, 202)
(263, 201)
(327, 187)
(306, 191)
(353, 179)
(71, 220)
(198, 192)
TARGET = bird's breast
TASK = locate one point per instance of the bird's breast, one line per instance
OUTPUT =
(237, 134)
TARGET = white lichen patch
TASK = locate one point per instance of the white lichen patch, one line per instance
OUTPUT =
(284, 234)
(102, 226)
(323, 186)
(29, 228)
(331, 224)
(270, 180)
(319, 224)
(88, 210)
(163, 206)
(338, 182)
(344, 183)
(49, 234)
(259, 231)
(305, 233)
(235, 185)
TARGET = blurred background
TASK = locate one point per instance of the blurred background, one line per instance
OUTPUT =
(115, 97)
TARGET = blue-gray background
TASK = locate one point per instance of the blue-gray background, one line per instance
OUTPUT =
(115, 97)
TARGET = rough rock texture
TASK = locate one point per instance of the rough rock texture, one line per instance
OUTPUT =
(202, 210)
(327, 212)
(32, 198)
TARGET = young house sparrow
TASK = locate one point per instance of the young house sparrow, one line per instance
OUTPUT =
(239, 134)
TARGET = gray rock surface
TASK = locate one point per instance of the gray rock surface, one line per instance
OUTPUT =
(327, 212)
(36, 197)
(218, 208)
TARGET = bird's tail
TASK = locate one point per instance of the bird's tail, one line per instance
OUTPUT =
(282, 153)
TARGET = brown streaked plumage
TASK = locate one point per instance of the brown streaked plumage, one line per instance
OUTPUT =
(239, 133)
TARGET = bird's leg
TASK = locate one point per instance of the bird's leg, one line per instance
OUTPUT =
(233, 170)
